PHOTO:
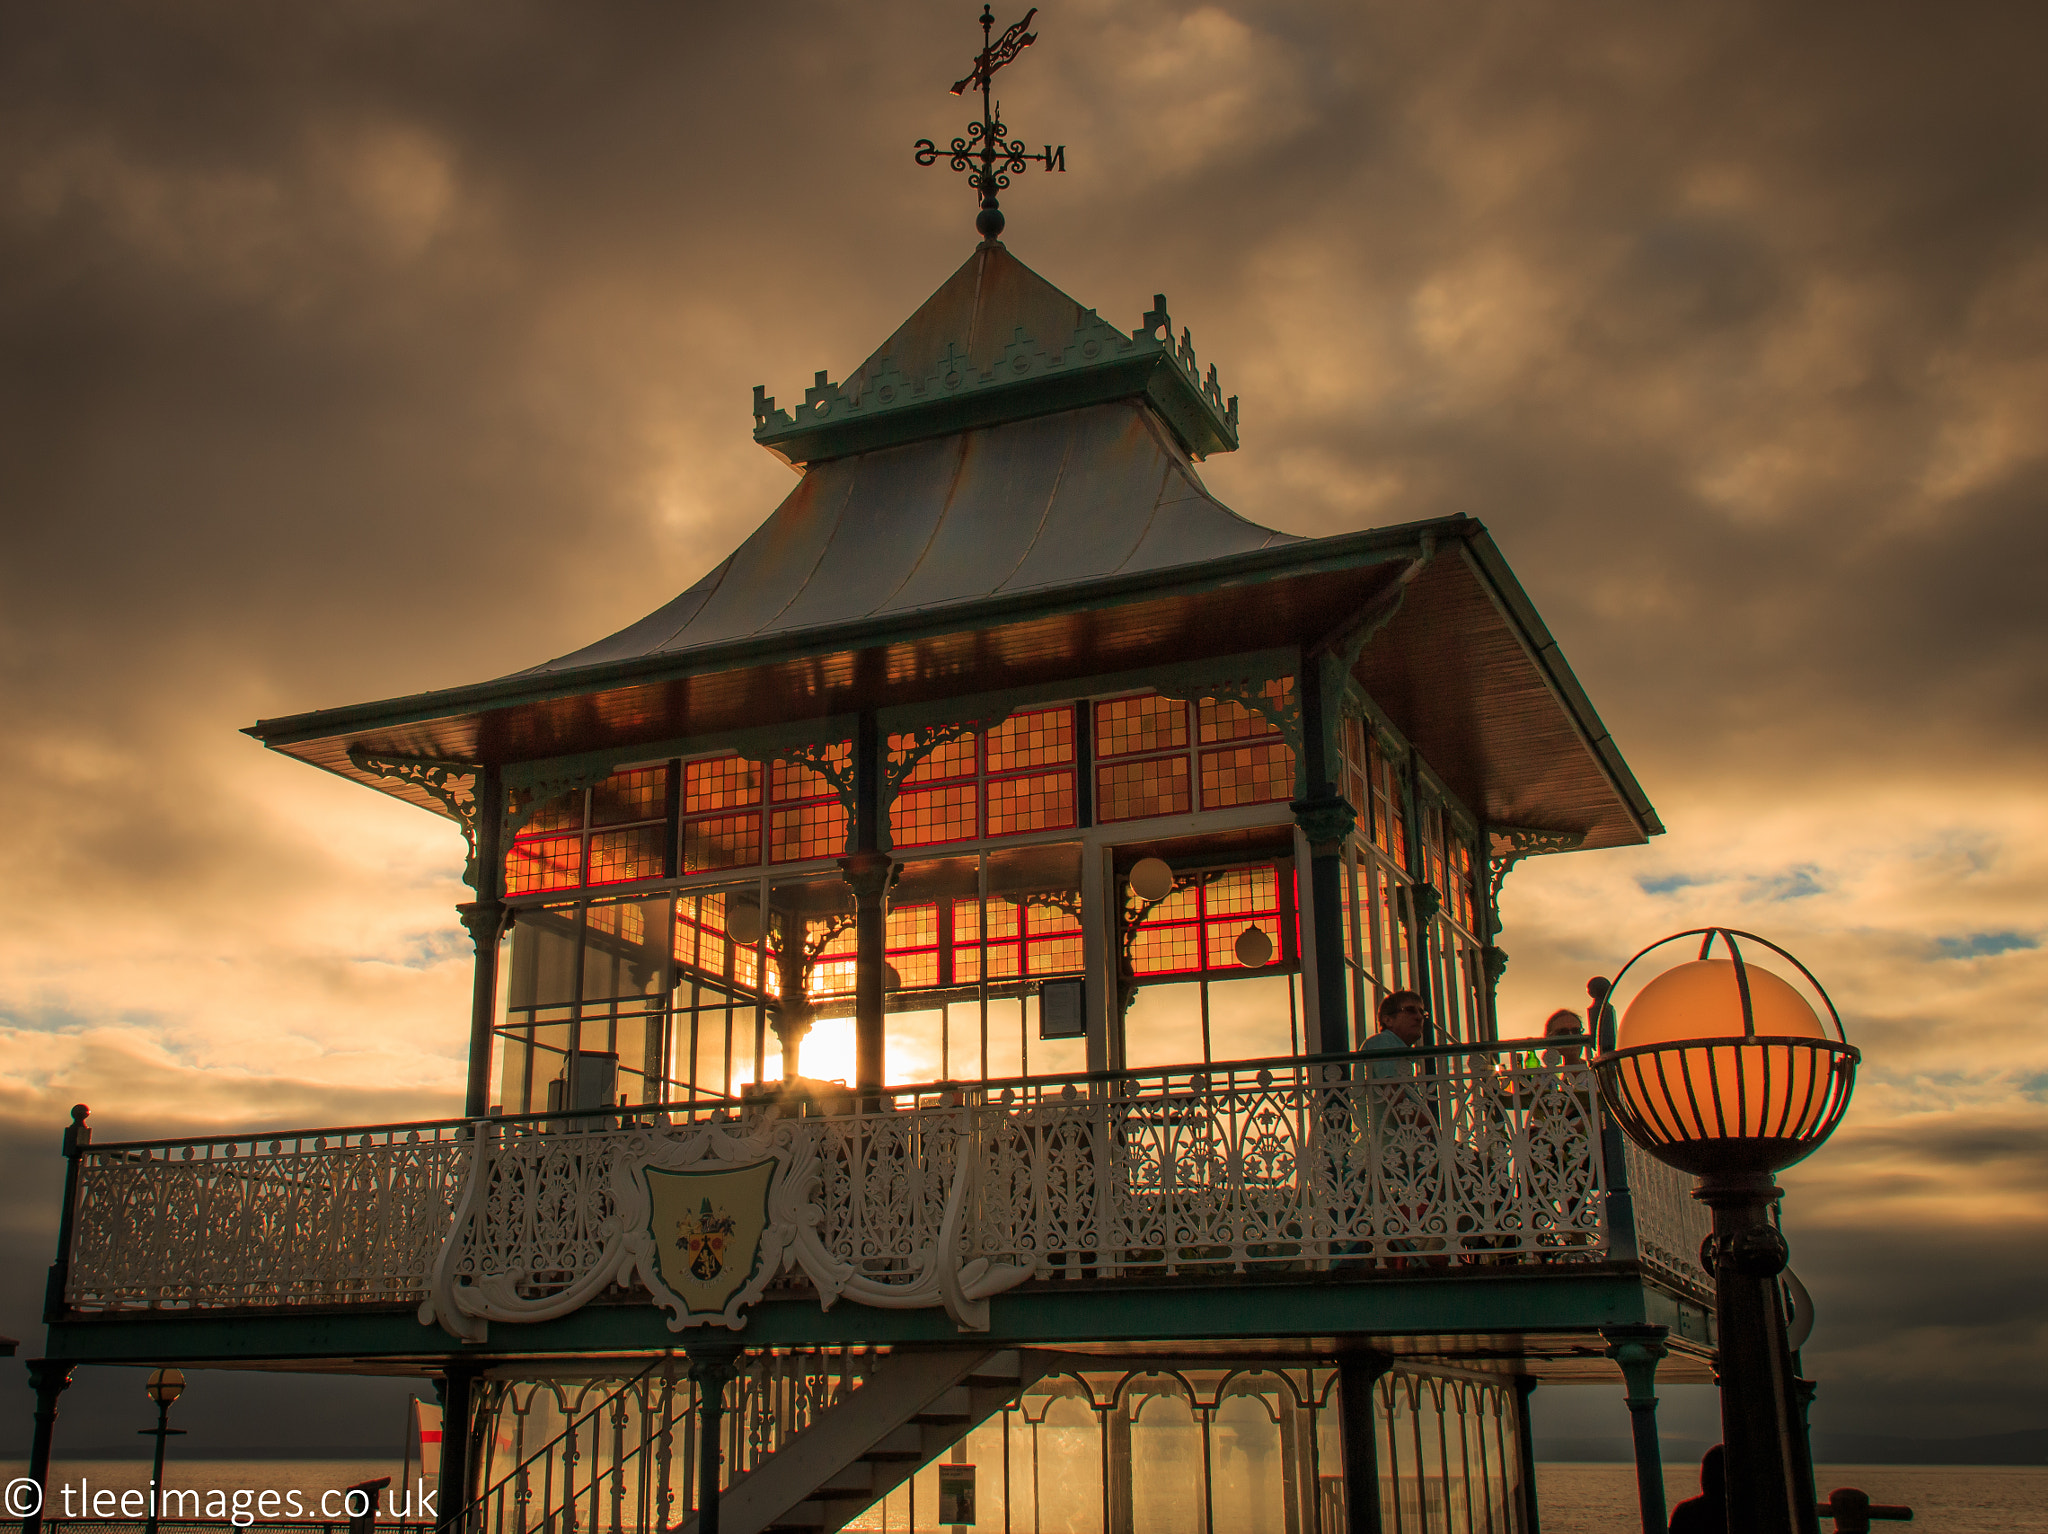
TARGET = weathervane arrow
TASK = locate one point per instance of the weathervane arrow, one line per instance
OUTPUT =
(988, 142)
(994, 56)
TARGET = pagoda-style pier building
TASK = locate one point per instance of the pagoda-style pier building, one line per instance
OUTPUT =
(921, 978)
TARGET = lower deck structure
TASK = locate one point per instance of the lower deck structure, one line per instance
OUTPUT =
(1153, 1300)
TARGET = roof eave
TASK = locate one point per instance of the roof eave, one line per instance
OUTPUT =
(1513, 601)
(1338, 552)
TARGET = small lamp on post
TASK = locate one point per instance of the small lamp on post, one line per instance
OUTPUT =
(164, 1387)
(1724, 1071)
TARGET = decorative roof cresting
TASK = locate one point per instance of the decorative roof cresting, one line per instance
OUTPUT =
(1095, 360)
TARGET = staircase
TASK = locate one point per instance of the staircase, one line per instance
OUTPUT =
(911, 1408)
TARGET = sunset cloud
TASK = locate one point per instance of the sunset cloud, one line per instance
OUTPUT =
(351, 353)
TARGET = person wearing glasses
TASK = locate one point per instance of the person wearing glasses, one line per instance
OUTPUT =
(1404, 1019)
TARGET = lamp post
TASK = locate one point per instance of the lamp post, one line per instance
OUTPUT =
(1724, 1071)
(165, 1386)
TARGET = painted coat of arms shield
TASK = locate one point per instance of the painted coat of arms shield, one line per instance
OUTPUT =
(704, 1232)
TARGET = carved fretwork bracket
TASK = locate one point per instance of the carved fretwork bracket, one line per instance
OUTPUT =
(1508, 845)
(825, 758)
(1137, 910)
(1284, 714)
(451, 783)
(920, 742)
(527, 799)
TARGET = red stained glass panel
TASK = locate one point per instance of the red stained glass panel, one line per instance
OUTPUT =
(1126, 726)
(925, 817)
(720, 783)
(808, 831)
(1257, 774)
(949, 759)
(790, 781)
(1152, 786)
(730, 841)
(544, 863)
(1042, 738)
(641, 794)
(1037, 802)
(619, 857)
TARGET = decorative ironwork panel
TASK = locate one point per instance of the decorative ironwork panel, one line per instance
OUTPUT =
(334, 1217)
(1671, 1225)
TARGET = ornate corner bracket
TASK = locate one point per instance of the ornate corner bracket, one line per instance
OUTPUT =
(439, 777)
(1508, 845)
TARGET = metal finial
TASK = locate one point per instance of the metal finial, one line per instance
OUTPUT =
(988, 141)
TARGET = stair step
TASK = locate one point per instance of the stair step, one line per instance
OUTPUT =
(856, 1477)
(878, 1440)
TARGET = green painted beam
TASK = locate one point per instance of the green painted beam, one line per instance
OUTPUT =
(1248, 1308)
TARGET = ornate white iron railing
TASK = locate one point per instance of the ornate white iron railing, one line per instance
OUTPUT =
(1418, 1160)
(319, 1217)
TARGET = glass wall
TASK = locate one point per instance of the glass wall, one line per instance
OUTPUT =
(683, 925)
(1236, 923)
(1251, 1449)
(1408, 847)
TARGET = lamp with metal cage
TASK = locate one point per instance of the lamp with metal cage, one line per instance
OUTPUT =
(1725, 1071)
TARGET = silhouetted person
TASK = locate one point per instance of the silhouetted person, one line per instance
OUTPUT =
(1565, 1032)
(1708, 1512)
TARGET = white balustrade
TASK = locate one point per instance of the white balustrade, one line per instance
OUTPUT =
(1443, 1159)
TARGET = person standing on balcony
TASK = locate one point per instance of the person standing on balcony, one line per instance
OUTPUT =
(1404, 1017)
(1400, 1127)
(1565, 1031)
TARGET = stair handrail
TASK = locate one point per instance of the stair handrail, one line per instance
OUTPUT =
(476, 1503)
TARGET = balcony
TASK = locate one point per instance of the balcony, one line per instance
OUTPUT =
(1353, 1168)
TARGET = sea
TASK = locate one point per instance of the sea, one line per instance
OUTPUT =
(1575, 1499)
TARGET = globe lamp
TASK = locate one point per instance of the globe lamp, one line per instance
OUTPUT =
(1724, 1070)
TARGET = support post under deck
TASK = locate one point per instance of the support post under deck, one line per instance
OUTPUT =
(712, 1368)
(48, 1377)
(1359, 1371)
(456, 1387)
(1639, 1349)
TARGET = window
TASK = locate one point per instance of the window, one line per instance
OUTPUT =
(1149, 762)
(1377, 951)
(1195, 930)
(1016, 779)
(615, 833)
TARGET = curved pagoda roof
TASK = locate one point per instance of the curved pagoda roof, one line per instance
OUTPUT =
(1005, 495)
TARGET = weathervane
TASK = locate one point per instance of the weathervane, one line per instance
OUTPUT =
(987, 141)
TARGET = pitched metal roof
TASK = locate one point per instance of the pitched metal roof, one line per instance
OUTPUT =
(1041, 531)
(1053, 501)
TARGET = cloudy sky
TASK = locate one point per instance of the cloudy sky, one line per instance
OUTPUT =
(351, 351)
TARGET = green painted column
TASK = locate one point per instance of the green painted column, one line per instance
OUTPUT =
(49, 1378)
(1639, 1349)
(712, 1367)
(485, 919)
(867, 870)
(1359, 1371)
(1326, 819)
(455, 1387)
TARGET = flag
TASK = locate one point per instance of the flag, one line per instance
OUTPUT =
(425, 1440)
